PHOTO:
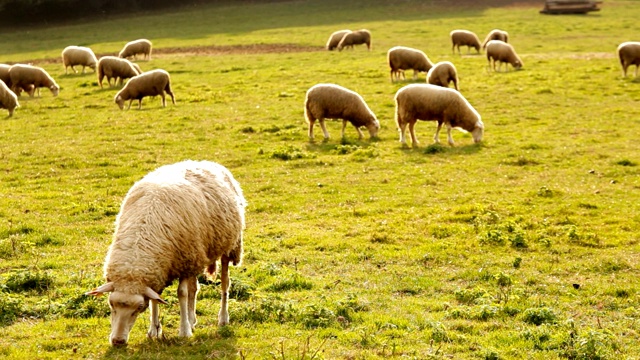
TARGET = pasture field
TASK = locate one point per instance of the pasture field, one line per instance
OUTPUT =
(526, 246)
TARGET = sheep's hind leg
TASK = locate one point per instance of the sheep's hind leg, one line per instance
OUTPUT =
(324, 129)
(155, 328)
(183, 300)
(414, 139)
(311, 122)
(223, 315)
(436, 137)
(194, 287)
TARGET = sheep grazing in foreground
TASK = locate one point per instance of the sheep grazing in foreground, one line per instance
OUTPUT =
(629, 54)
(8, 99)
(78, 55)
(431, 102)
(331, 101)
(442, 73)
(115, 68)
(4, 76)
(402, 58)
(25, 76)
(464, 38)
(357, 37)
(334, 39)
(495, 34)
(501, 52)
(173, 224)
(135, 47)
(151, 83)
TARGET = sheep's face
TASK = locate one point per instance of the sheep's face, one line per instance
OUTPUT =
(125, 309)
(120, 101)
(54, 90)
(517, 64)
(373, 127)
(477, 132)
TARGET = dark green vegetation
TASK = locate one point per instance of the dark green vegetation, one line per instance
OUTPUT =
(523, 247)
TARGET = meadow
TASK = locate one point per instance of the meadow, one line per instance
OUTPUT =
(525, 246)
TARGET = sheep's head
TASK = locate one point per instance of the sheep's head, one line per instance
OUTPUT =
(120, 101)
(517, 64)
(125, 309)
(55, 89)
(477, 132)
(373, 127)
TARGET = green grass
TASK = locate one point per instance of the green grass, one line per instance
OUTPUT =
(523, 247)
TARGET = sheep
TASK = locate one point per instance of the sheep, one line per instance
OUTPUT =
(115, 68)
(402, 58)
(8, 99)
(151, 83)
(442, 73)
(629, 54)
(495, 34)
(501, 52)
(173, 224)
(335, 38)
(431, 102)
(357, 37)
(336, 102)
(464, 38)
(78, 55)
(132, 48)
(25, 76)
(4, 76)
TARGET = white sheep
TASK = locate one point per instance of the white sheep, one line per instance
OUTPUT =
(25, 76)
(115, 68)
(464, 38)
(135, 47)
(331, 101)
(629, 54)
(402, 58)
(78, 55)
(4, 76)
(151, 83)
(442, 73)
(357, 37)
(173, 224)
(431, 102)
(495, 34)
(8, 99)
(501, 52)
(335, 37)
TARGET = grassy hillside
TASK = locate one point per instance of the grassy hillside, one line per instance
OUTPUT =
(525, 246)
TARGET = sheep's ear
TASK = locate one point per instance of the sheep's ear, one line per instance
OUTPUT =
(108, 287)
(148, 292)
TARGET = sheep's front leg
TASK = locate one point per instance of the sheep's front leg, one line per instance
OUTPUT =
(223, 315)
(164, 101)
(155, 328)
(449, 137)
(183, 300)
(344, 126)
(194, 287)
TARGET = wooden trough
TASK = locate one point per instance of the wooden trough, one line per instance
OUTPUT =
(570, 6)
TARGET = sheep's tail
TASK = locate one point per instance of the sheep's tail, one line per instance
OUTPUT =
(100, 72)
(307, 111)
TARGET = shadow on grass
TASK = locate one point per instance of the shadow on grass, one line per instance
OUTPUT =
(445, 150)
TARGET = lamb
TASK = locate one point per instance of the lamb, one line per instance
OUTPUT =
(115, 68)
(495, 34)
(151, 83)
(334, 39)
(26, 76)
(173, 224)
(4, 76)
(464, 38)
(78, 55)
(8, 99)
(430, 102)
(135, 47)
(501, 52)
(357, 37)
(442, 73)
(402, 58)
(629, 54)
(336, 102)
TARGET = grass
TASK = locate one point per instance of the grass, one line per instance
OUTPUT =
(525, 246)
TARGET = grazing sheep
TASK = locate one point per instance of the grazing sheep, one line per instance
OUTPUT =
(442, 73)
(629, 54)
(4, 76)
(495, 34)
(133, 48)
(402, 58)
(357, 37)
(8, 99)
(115, 68)
(430, 102)
(330, 101)
(78, 55)
(501, 52)
(464, 38)
(335, 38)
(26, 76)
(151, 83)
(173, 224)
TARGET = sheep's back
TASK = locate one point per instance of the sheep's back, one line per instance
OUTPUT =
(333, 101)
